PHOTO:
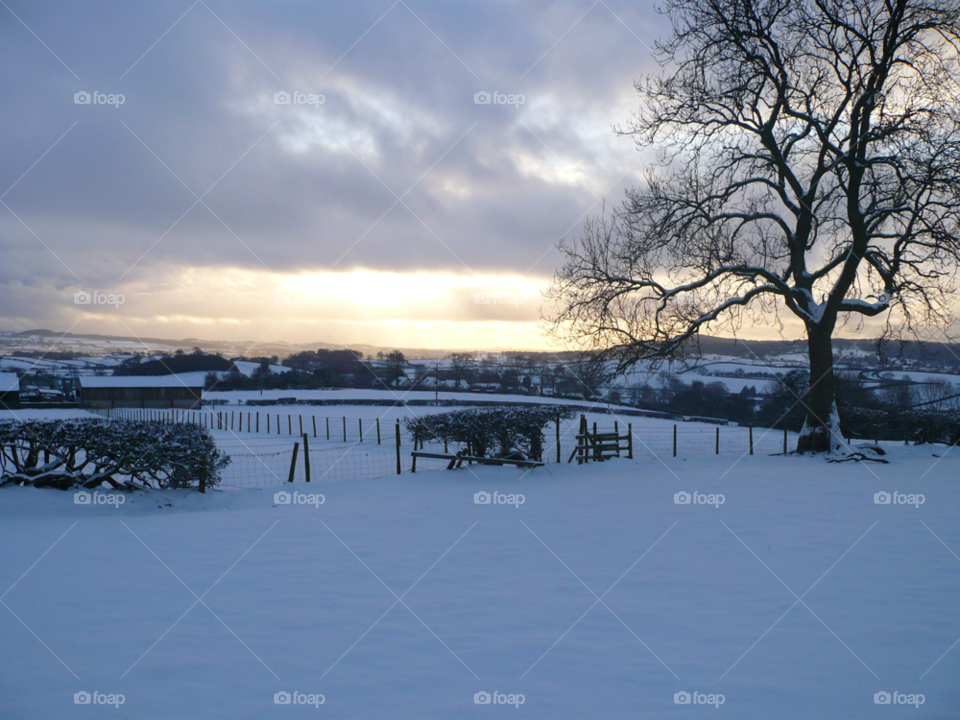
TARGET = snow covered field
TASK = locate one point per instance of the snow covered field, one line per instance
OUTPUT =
(262, 457)
(597, 597)
(237, 397)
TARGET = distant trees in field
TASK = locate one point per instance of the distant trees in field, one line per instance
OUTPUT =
(179, 362)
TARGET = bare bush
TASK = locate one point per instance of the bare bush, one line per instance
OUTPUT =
(125, 454)
(501, 431)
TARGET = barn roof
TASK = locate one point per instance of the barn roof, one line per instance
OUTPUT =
(9, 382)
(136, 381)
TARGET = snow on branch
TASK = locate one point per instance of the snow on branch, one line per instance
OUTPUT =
(124, 454)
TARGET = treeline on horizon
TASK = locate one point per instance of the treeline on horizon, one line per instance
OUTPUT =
(883, 349)
(889, 409)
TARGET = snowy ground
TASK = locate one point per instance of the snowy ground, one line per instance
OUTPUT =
(598, 597)
(262, 457)
(236, 397)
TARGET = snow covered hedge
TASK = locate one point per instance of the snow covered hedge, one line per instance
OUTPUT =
(125, 454)
(499, 431)
(915, 425)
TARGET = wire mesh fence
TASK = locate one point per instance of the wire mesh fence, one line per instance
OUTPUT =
(259, 422)
(344, 448)
(701, 442)
(271, 462)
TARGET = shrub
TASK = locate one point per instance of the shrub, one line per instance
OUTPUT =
(122, 453)
(914, 425)
(500, 431)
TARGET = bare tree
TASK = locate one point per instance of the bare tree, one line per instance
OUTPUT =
(808, 159)
(589, 372)
(460, 363)
(935, 392)
(395, 367)
(900, 396)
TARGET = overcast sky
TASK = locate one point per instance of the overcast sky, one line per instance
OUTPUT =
(397, 211)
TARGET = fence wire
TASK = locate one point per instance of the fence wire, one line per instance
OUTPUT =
(353, 452)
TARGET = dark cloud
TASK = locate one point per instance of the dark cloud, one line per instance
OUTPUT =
(493, 187)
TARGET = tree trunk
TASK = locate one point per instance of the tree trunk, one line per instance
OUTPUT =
(821, 427)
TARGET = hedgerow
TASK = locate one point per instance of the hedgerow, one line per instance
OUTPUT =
(500, 431)
(122, 453)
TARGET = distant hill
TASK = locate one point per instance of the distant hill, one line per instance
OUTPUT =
(946, 355)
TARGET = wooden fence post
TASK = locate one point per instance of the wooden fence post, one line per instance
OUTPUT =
(629, 441)
(378, 431)
(328, 428)
(582, 454)
(416, 436)
(258, 422)
(293, 461)
(558, 438)
(314, 425)
(674, 440)
(751, 439)
(268, 422)
(398, 448)
(360, 424)
(784, 441)
(301, 424)
(289, 424)
(306, 457)
(278, 423)
(717, 448)
(344, 428)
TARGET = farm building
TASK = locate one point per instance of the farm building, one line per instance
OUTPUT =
(9, 390)
(138, 391)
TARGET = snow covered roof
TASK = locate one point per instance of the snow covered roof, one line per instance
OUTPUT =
(137, 381)
(9, 382)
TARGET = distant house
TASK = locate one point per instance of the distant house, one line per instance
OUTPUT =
(9, 390)
(487, 387)
(139, 391)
